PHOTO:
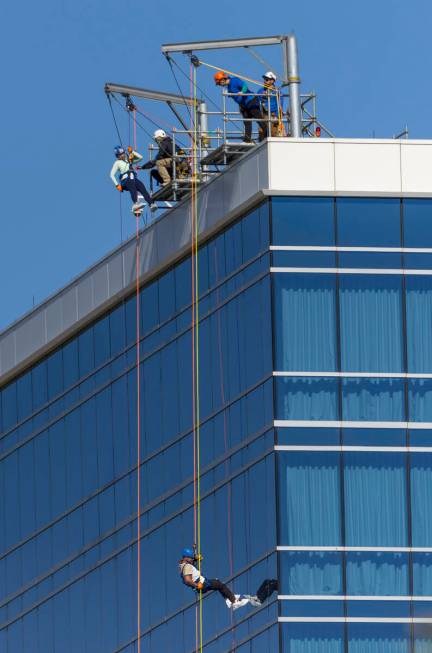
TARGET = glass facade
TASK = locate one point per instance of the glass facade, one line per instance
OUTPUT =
(315, 383)
(352, 293)
(68, 467)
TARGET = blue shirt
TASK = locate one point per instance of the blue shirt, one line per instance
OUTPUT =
(237, 85)
(264, 92)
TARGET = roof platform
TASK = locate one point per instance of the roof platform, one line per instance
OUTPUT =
(174, 191)
(227, 153)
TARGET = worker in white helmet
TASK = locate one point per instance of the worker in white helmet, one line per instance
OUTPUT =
(164, 158)
(270, 99)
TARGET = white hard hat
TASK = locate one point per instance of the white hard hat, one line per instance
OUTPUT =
(159, 133)
(270, 75)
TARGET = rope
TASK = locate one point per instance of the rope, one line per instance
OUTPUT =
(204, 94)
(114, 118)
(229, 72)
(195, 358)
(138, 381)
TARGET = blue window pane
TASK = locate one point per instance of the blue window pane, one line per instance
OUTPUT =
(9, 406)
(368, 222)
(377, 574)
(166, 296)
(70, 363)
(295, 259)
(303, 221)
(377, 609)
(417, 261)
(373, 400)
(375, 499)
(101, 341)
(420, 400)
(183, 279)
(305, 322)
(55, 373)
(306, 399)
(24, 396)
(423, 636)
(310, 572)
(86, 352)
(419, 323)
(378, 638)
(375, 437)
(117, 329)
(251, 235)
(313, 638)
(371, 323)
(421, 497)
(370, 260)
(310, 498)
(149, 305)
(422, 574)
(308, 436)
(417, 220)
(39, 385)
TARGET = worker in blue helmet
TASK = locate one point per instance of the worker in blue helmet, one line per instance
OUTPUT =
(125, 177)
(191, 576)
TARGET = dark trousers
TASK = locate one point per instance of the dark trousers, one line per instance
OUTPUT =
(266, 589)
(134, 186)
(252, 111)
(215, 584)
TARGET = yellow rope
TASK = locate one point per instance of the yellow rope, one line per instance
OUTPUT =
(194, 226)
(229, 72)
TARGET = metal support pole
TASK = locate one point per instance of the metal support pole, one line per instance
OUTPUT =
(293, 78)
(203, 133)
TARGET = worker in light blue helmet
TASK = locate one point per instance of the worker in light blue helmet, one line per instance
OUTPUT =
(191, 576)
(125, 177)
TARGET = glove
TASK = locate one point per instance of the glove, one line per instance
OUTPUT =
(119, 187)
(200, 586)
(129, 149)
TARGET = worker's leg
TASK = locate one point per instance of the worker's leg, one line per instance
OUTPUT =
(162, 166)
(143, 190)
(266, 589)
(247, 124)
(215, 584)
(129, 185)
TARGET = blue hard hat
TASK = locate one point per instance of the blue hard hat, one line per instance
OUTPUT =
(119, 150)
(188, 553)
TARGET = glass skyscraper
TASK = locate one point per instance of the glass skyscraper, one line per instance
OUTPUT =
(315, 372)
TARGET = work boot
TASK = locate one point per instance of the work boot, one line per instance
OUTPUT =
(253, 600)
(137, 206)
(153, 207)
(240, 602)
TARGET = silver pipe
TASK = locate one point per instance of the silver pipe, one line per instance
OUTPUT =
(293, 78)
(203, 136)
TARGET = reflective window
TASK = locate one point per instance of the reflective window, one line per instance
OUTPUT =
(303, 221)
(417, 222)
(368, 222)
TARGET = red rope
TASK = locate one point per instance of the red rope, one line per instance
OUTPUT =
(138, 382)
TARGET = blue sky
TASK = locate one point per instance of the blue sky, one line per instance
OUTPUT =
(368, 62)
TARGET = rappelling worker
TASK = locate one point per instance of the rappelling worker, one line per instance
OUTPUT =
(249, 104)
(271, 106)
(125, 177)
(192, 577)
(164, 159)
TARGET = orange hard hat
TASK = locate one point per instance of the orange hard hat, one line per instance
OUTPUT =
(219, 76)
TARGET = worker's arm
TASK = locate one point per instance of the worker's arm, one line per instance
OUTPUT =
(113, 173)
(134, 156)
(188, 581)
(149, 165)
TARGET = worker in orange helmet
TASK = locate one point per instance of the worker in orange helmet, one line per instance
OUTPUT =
(249, 104)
